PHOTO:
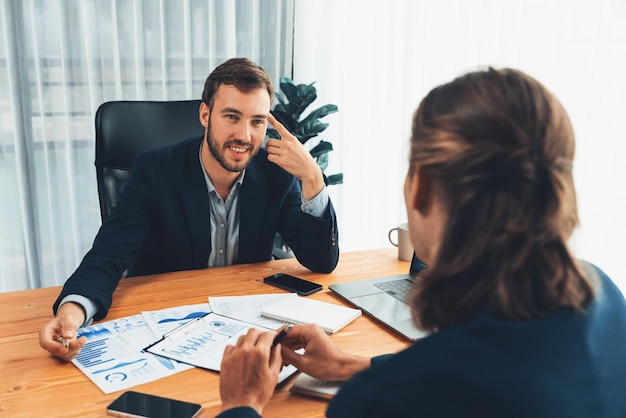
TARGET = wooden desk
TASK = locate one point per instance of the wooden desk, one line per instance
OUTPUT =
(35, 384)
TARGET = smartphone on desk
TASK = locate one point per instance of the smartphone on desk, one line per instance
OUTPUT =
(293, 284)
(136, 404)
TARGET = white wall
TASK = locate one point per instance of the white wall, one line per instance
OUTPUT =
(377, 59)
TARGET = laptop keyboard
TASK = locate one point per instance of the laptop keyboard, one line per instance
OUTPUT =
(399, 289)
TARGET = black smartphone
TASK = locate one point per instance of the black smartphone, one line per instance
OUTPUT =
(293, 284)
(135, 404)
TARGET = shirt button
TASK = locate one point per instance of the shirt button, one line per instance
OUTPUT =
(221, 225)
(221, 251)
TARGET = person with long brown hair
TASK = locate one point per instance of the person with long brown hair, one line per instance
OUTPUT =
(518, 326)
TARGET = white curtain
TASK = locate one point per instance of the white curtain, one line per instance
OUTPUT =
(376, 59)
(59, 60)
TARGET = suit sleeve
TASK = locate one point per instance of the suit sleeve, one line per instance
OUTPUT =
(314, 240)
(240, 412)
(118, 241)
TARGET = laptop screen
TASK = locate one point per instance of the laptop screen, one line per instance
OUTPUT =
(417, 265)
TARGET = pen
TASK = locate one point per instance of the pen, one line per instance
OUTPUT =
(183, 326)
(64, 341)
(282, 334)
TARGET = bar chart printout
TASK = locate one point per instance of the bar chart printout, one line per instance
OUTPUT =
(114, 359)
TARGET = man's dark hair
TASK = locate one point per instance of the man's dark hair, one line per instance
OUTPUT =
(242, 73)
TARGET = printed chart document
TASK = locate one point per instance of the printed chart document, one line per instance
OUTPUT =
(115, 356)
(165, 320)
(114, 359)
(201, 342)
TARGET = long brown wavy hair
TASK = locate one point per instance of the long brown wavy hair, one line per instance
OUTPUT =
(499, 148)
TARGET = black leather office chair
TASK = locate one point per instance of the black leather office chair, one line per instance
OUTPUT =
(126, 128)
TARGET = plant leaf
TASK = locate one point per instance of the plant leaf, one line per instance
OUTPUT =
(310, 130)
(286, 121)
(280, 98)
(307, 89)
(292, 103)
(322, 148)
(335, 179)
(302, 103)
(273, 133)
(312, 126)
(288, 88)
(299, 97)
(322, 161)
(321, 112)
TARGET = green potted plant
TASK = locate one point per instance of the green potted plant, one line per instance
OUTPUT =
(293, 100)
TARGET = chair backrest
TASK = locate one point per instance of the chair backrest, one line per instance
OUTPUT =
(126, 128)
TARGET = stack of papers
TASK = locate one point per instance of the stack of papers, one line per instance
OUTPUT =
(114, 357)
(120, 354)
(126, 352)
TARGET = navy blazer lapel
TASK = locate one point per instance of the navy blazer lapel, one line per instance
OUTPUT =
(195, 202)
(253, 199)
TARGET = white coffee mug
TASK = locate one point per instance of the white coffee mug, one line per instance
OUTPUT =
(405, 247)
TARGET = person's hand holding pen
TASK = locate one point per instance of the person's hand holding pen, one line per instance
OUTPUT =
(284, 331)
(249, 370)
(59, 335)
(311, 351)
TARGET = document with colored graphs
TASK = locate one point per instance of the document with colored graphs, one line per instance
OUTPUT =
(201, 342)
(114, 359)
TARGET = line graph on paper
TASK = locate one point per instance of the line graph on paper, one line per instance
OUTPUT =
(165, 320)
(196, 346)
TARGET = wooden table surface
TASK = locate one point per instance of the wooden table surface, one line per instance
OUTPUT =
(36, 384)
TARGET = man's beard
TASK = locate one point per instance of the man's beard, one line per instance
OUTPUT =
(218, 153)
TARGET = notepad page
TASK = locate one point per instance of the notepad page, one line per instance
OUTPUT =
(300, 310)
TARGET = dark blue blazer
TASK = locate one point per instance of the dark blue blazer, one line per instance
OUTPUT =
(569, 365)
(161, 223)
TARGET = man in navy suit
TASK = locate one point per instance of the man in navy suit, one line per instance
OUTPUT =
(205, 202)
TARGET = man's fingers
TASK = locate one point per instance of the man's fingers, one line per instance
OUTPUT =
(228, 349)
(72, 349)
(254, 337)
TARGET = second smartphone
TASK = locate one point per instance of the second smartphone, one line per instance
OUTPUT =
(136, 404)
(293, 284)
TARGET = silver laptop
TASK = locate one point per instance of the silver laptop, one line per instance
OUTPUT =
(384, 299)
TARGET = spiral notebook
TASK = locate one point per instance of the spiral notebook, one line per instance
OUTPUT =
(300, 310)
